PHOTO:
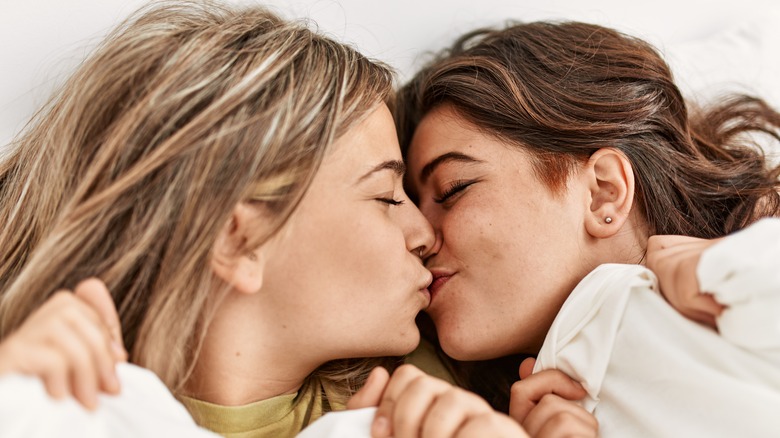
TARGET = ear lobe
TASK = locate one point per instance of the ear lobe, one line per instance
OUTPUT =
(611, 184)
(230, 260)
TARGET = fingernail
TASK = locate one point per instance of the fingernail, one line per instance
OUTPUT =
(380, 427)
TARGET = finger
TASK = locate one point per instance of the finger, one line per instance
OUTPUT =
(98, 342)
(664, 241)
(88, 327)
(51, 367)
(41, 361)
(676, 273)
(527, 367)
(450, 411)
(707, 304)
(371, 393)
(700, 317)
(96, 294)
(661, 251)
(413, 404)
(567, 425)
(553, 407)
(83, 375)
(526, 393)
(493, 425)
(382, 426)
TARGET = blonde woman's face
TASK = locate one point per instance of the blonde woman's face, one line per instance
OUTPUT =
(344, 274)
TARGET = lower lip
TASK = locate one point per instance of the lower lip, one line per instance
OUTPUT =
(437, 284)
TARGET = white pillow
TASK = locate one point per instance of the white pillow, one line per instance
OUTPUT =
(743, 58)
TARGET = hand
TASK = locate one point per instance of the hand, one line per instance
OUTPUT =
(414, 404)
(72, 342)
(674, 260)
(371, 393)
(543, 404)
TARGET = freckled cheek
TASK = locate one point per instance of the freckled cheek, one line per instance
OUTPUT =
(474, 236)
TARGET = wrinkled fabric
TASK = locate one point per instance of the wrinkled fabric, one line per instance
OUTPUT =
(145, 408)
(651, 372)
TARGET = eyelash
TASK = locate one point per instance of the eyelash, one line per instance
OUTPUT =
(452, 189)
(390, 201)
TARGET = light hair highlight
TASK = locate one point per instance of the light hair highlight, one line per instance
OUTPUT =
(133, 167)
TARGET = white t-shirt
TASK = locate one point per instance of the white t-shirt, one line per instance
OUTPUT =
(145, 408)
(651, 372)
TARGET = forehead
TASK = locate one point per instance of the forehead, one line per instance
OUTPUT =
(368, 143)
(442, 127)
(443, 130)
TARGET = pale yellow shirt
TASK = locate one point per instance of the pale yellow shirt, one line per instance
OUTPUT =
(281, 416)
(286, 415)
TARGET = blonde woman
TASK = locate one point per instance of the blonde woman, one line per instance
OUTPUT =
(236, 182)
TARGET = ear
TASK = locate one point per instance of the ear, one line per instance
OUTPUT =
(230, 259)
(610, 181)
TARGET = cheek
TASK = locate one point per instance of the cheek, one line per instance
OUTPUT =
(516, 273)
(478, 231)
(365, 261)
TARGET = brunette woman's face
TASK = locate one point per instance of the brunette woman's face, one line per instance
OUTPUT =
(508, 251)
(345, 274)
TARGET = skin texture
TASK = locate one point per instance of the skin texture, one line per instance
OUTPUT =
(541, 402)
(325, 292)
(314, 292)
(674, 260)
(508, 249)
(508, 252)
(72, 343)
(347, 251)
(413, 404)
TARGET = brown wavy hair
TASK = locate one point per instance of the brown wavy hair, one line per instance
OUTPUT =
(563, 90)
(135, 165)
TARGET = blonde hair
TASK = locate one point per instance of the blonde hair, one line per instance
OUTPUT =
(131, 170)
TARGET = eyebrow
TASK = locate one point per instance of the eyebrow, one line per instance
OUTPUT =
(398, 167)
(445, 158)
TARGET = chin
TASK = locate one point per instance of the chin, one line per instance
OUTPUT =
(458, 350)
(406, 344)
(399, 345)
(468, 350)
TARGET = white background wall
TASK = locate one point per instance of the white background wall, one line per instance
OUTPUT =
(43, 40)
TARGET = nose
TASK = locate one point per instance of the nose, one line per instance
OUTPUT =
(433, 217)
(418, 232)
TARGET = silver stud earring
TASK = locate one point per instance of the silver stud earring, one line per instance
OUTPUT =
(420, 253)
(608, 220)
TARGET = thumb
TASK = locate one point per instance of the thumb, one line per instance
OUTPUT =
(95, 293)
(528, 392)
(371, 393)
(527, 367)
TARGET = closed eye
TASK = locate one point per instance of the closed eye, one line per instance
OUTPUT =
(390, 201)
(452, 189)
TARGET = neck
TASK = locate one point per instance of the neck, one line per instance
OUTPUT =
(634, 237)
(242, 360)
